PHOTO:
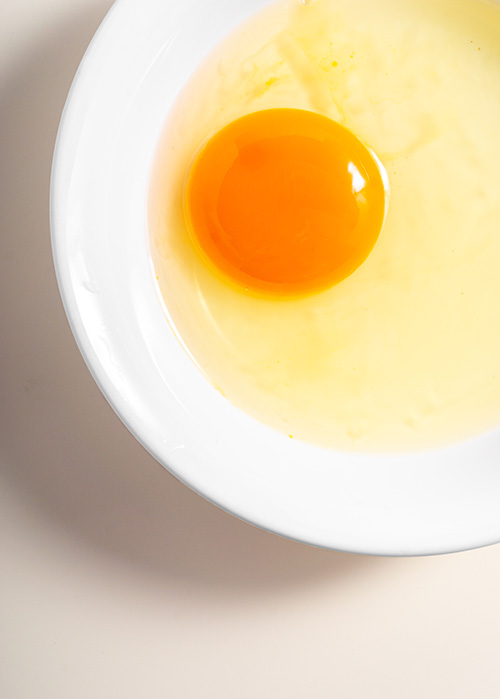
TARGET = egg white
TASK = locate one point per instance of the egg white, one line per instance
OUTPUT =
(405, 353)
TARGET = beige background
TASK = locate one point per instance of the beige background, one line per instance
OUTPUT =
(117, 581)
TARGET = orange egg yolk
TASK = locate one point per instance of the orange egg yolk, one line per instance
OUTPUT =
(285, 201)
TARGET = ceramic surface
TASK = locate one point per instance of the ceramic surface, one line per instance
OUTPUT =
(419, 503)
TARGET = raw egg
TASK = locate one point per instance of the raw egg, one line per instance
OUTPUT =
(324, 220)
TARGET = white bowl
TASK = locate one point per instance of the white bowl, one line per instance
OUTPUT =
(420, 503)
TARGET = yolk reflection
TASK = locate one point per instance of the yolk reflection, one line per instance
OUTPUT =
(285, 201)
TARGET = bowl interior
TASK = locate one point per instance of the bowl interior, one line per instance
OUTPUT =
(419, 503)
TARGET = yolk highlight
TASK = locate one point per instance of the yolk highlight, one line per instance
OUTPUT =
(285, 201)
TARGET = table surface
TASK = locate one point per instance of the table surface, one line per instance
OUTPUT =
(116, 580)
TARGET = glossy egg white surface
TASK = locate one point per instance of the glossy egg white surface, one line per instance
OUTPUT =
(404, 353)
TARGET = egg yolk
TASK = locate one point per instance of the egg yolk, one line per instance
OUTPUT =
(285, 201)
